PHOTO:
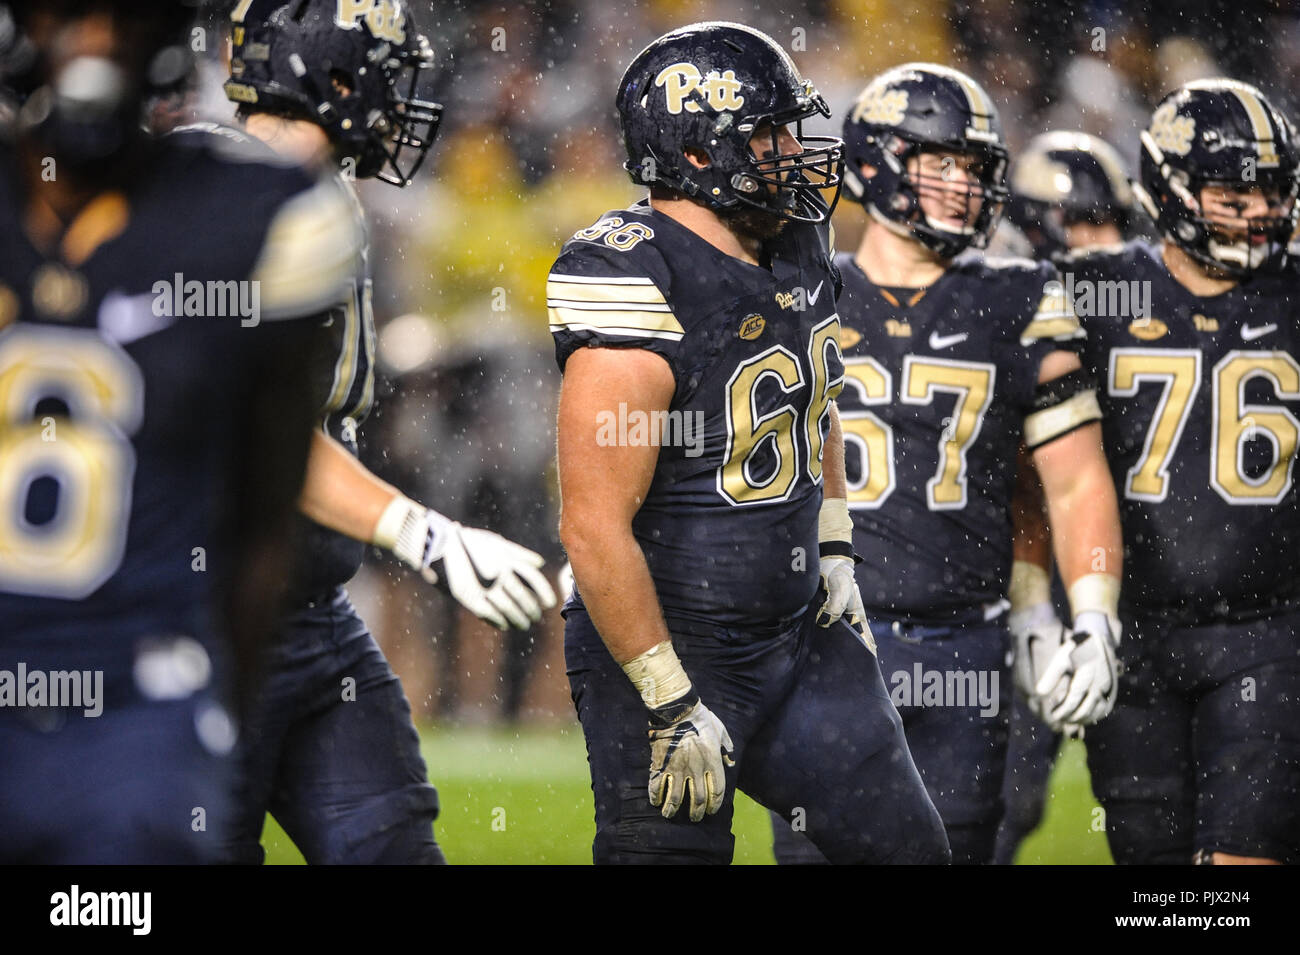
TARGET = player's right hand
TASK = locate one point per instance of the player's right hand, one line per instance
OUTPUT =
(494, 578)
(689, 753)
(1088, 664)
(1036, 633)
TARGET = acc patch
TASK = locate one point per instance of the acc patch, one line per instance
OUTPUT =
(752, 327)
(849, 337)
(1148, 329)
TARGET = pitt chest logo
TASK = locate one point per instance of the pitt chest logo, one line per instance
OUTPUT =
(682, 80)
(752, 327)
(1171, 132)
(896, 329)
(880, 104)
(386, 19)
(1205, 324)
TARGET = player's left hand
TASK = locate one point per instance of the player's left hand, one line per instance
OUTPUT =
(1088, 663)
(841, 590)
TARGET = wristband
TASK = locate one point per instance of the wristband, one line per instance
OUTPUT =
(835, 528)
(658, 676)
(1030, 586)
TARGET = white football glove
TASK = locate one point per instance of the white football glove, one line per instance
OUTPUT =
(1037, 634)
(843, 599)
(689, 753)
(494, 578)
(564, 580)
(1086, 659)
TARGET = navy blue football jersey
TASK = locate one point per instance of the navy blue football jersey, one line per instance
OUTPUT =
(123, 350)
(1201, 399)
(729, 525)
(343, 378)
(938, 382)
(344, 388)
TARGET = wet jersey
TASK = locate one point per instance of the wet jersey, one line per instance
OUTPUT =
(938, 383)
(729, 525)
(1202, 419)
(343, 383)
(124, 351)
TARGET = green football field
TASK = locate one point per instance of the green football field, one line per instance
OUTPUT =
(524, 797)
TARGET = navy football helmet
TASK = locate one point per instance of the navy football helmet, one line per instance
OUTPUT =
(916, 108)
(357, 80)
(710, 87)
(1220, 132)
(1062, 178)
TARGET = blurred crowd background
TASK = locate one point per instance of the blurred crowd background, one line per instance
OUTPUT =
(529, 152)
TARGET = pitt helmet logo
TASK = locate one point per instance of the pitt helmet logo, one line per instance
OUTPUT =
(1171, 132)
(1148, 329)
(752, 327)
(682, 80)
(386, 19)
(880, 104)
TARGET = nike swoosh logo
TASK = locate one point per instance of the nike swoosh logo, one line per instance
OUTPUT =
(938, 341)
(812, 296)
(1250, 334)
(125, 319)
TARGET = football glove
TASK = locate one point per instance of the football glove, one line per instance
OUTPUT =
(1036, 633)
(689, 753)
(836, 561)
(494, 578)
(1087, 660)
(689, 746)
(564, 580)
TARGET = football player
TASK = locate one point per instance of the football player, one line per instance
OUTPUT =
(702, 483)
(330, 749)
(1069, 191)
(154, 423)
(1201, 757)
(949, 362)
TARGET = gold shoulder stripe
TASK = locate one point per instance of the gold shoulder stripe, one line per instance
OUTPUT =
(311, 255)
(1051, 423)
(595, 293)
(629, 323)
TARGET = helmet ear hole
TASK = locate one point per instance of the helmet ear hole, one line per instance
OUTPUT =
(342, 82)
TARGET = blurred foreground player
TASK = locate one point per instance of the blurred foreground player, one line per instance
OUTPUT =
(701, 655)
(1069, 191)
(330, 749)
(1200, 760)
(949, 363)
(154, 423)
